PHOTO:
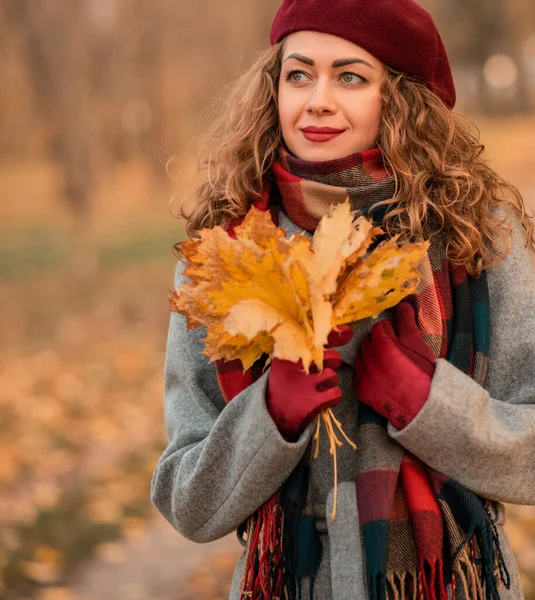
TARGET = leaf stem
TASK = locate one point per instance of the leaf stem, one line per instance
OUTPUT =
(328, 417)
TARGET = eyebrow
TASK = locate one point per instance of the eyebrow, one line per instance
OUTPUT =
(342, 62)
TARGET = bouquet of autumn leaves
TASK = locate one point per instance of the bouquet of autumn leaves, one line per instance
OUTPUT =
(264, 294)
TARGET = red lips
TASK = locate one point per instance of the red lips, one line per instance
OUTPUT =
(320, 134)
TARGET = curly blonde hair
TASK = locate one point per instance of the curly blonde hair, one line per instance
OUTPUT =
(434, 153)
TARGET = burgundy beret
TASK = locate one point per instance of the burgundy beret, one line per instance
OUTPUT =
(399, 33)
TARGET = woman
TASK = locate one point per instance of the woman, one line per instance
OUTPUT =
(356, 98)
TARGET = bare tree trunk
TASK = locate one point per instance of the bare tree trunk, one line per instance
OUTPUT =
(149, 65)
(58, 71)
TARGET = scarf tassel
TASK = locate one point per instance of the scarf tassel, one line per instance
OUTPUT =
(303, 552)
(302, 547)
(283, 545)
(427, 583)
(261, 577)
(377, 586)
(471, 571)
(431, 581)
(477, 565)
(482, 564)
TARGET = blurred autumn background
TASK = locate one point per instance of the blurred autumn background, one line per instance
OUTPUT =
(97, 97)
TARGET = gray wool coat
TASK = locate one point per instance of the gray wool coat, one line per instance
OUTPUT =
(224, 461)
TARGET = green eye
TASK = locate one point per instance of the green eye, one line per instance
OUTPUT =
(291, 74)
(346, 77)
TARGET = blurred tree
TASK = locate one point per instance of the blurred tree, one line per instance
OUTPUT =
(474, 31)
(522, 19)
(61, 96)
(144, 108)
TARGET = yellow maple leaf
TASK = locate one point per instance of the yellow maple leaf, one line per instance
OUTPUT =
(391, 275)
(264, 294)
(253, 317)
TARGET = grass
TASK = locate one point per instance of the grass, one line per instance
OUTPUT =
(27, 251)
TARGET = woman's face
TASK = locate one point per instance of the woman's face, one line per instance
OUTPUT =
(328, 82)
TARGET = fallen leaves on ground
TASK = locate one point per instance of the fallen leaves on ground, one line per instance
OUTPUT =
(81, 421)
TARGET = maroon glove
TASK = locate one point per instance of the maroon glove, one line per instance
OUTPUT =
(294, 398)
(394, 374)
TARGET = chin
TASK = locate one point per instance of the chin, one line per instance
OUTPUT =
(322, 153)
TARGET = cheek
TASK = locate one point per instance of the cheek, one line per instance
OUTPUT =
(288, 109)
(376, 111)
(369, 112)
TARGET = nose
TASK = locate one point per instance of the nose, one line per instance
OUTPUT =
(321, 99)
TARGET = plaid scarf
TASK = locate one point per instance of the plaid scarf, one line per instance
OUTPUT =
(423, 533)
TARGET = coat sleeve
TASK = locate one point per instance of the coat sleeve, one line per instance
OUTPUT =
(484, 437)
(222, 461)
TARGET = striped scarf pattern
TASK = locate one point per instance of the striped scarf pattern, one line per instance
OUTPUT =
(423, 533)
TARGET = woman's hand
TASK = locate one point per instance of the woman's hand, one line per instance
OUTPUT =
(396, 368)
(294, 397)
